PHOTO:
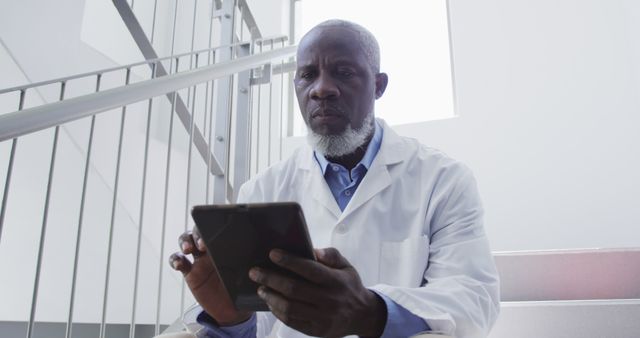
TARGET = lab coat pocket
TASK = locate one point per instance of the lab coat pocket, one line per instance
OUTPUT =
(403, 263)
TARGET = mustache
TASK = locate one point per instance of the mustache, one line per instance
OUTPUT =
(328, 109)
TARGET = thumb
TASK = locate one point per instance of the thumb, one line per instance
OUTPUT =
(331, 257)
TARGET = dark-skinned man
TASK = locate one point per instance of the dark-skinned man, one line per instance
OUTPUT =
(402, 223)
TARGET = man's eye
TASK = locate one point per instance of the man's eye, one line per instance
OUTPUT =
(345, 73)
(306, 75)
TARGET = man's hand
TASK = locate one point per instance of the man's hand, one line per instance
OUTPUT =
(331, 300)
(203, 280)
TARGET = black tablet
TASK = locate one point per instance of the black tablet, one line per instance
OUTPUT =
(240, 236)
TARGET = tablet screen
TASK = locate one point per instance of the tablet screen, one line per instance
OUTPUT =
(240, 236)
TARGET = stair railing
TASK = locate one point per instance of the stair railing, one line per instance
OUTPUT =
(234, 135)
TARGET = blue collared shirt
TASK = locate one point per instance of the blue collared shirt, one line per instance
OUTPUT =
(343, 184)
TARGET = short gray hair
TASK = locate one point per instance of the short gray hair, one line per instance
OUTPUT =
(367, 41)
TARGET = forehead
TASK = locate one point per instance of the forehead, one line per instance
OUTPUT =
(331, 44)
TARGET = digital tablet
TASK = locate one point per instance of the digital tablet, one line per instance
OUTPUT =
(240, 236)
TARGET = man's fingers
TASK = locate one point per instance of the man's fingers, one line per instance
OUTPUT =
(331, 257)
(291, 288)
(187, 242)
(313, 271)
(285, 309)
(197, 239)
(180, 263)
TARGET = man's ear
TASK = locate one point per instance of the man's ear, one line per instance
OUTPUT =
(381, 84)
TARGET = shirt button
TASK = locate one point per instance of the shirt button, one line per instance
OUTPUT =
(348, 192)
(335, 168)
(341, 228)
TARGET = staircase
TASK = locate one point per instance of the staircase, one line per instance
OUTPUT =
(98, 182)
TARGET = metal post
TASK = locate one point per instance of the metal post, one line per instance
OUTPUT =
(270, 113)
(281, 103)
(7, 182)
(223, 104)
(76, 256)
(141, 217)
(186, 207)
(241, 167)
(210, 136)
(259, 121)
(45, 217)
(193, 37)
(164, 209)
(153, 23)
(114, 203)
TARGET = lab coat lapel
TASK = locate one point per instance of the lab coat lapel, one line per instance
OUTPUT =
(316, 184)
(378, 176)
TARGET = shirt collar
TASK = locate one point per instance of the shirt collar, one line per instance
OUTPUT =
(369, 155)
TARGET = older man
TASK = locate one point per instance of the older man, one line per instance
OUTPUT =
(404, 221)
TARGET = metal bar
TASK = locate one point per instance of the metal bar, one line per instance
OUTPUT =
(113, 69)
(186, 209)
(30, 120)
(456, 104)
(113, 214)
(193, 37)
(211, 58)
(223, 103)
(270, 114)
(164, 213)
(292, 41)
(241, 167)
(281, 105)
(241, 25)
(153, 23)
(69, 327)
(7, 182)
(141, 217)
(210, 135)
(271, 39)
(45, 217)
(250, 20)
(259, 123)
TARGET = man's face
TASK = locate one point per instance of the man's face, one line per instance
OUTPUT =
(334, 82)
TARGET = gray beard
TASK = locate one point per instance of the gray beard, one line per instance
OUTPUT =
(343, 144)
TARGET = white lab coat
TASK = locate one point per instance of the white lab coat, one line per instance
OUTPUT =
(413, 230)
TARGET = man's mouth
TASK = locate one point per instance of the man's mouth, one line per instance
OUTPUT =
(327, 113)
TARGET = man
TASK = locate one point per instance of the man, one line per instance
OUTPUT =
(404, 220)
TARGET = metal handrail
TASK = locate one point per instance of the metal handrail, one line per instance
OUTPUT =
(116, 68)
(26, 121)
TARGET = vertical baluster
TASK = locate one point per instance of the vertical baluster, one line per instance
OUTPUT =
(132, 326)
(241, 9)
(258, 118)
(209, 149)
(164, 208)
(7, 182)
(153, 22)
(250, 147)
(270, 112)
(186, 207)
(45, 217)
(281, 102)
(211, 58)
(166, 187)
(74, 276)
(114, 204)
(193, 39)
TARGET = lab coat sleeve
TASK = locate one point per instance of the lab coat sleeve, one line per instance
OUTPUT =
(460, 290)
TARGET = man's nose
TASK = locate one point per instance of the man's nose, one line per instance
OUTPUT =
(324, 88)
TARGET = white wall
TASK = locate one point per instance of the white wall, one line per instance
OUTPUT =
(549, 119)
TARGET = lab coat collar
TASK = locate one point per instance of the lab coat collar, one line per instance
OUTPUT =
(376, 179)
